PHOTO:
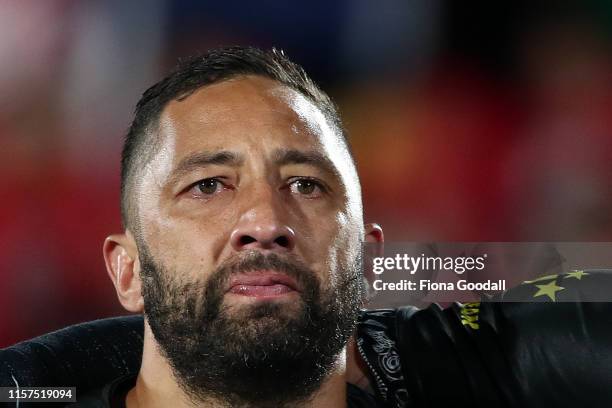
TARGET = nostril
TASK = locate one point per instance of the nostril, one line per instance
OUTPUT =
(269, 238)
(246, 240)
(282, 241)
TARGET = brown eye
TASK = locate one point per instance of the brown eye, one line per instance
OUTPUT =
(307, 187)
(209, 186)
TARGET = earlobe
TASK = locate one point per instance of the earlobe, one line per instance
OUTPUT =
(121, 258)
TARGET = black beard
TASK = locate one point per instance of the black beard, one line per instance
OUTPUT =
(258, 355)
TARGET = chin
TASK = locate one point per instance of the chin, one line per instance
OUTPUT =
(277, 312)
(267, 305)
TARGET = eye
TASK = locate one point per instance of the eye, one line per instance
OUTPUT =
(208, 186)
(307, 187)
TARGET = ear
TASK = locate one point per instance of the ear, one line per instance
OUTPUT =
(123, 267)
(374, 234)
(374, 247)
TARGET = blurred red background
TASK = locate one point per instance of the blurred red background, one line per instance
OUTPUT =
(487, 121)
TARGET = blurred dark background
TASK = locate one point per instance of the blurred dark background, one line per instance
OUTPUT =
(471, 121)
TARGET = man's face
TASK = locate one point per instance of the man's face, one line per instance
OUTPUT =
(289, 186)
(250, 229)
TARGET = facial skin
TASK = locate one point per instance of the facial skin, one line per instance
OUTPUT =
(245, 168)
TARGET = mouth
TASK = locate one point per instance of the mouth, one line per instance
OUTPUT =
(263, 284)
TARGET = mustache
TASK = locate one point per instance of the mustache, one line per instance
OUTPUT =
(255, 260)
(204, 298)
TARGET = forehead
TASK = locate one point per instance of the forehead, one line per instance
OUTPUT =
(242, 113)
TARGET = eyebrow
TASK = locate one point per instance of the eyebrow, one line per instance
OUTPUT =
(202, 159)
(282, 157)
(290, 156)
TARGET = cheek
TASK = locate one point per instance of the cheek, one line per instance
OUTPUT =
(343, 246)
(190, 244)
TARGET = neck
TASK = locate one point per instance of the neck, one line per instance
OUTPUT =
(156, 385)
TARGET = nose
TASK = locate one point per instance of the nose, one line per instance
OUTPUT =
(260, 227)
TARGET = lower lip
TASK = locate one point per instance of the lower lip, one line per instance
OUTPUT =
(262, 291)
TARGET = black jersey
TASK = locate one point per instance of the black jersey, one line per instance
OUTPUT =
(552, 351)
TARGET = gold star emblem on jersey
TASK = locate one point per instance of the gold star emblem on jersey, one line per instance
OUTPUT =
(575, 274)
(550, 290)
